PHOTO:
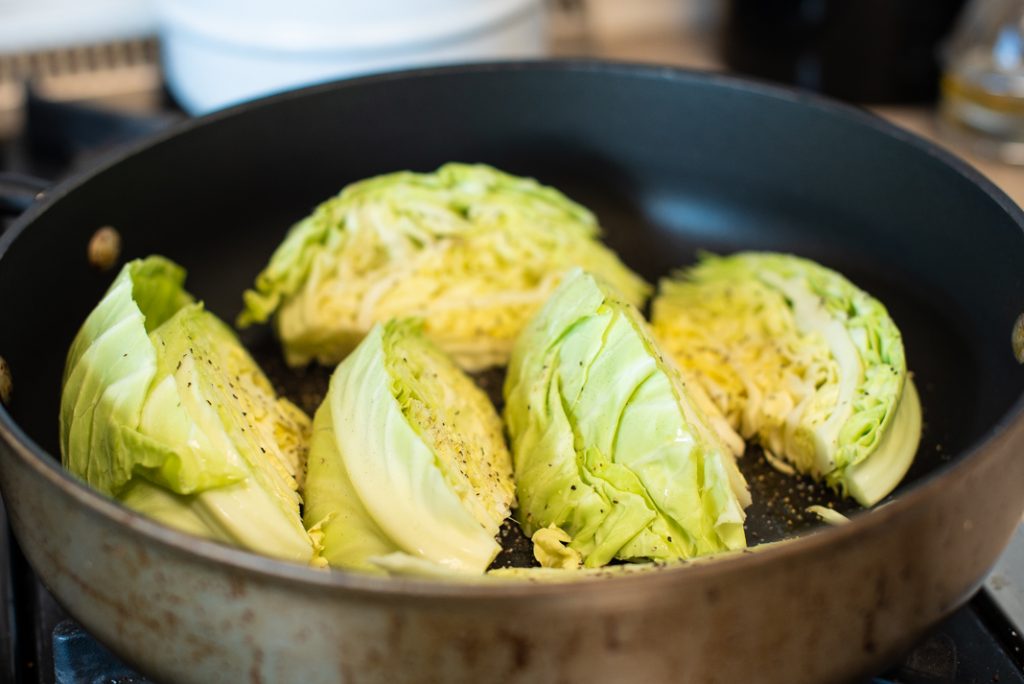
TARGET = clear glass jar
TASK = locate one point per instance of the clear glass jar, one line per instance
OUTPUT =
(982, 103)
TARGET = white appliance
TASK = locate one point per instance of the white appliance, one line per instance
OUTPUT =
(221, 52)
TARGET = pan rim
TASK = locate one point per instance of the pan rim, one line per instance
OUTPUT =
(213, 553)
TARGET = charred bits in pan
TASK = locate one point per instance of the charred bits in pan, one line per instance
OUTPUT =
(104, 248)
(6, 383)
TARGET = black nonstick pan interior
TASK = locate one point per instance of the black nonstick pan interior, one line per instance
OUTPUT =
(709, 164)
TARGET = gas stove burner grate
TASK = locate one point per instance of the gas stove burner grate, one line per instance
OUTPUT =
(127, 71)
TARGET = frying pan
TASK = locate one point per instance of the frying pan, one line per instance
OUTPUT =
(671, 162)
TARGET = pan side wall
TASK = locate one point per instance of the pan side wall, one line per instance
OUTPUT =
(833, 610)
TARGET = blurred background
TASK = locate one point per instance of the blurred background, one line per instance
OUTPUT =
(950, 70)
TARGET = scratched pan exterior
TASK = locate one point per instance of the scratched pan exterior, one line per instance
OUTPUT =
(671, 161)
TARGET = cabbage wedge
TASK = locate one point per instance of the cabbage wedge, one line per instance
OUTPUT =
(408, 465)
(608, 446)
(799, 358)
(469, 249)
(163, 409)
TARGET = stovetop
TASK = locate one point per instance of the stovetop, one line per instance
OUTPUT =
(41, 644)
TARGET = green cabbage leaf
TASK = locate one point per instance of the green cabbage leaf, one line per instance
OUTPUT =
(607, 444)
(798, 357)
(407, 463)
(163, 409)
(469, 249)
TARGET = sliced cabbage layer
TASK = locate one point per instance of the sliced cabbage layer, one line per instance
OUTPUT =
(471, 250)
(798, 357)
(607, 444)
(407, 459)
(164, 409)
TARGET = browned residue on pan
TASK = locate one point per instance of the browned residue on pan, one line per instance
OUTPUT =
(6, 383)
(104, 248)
